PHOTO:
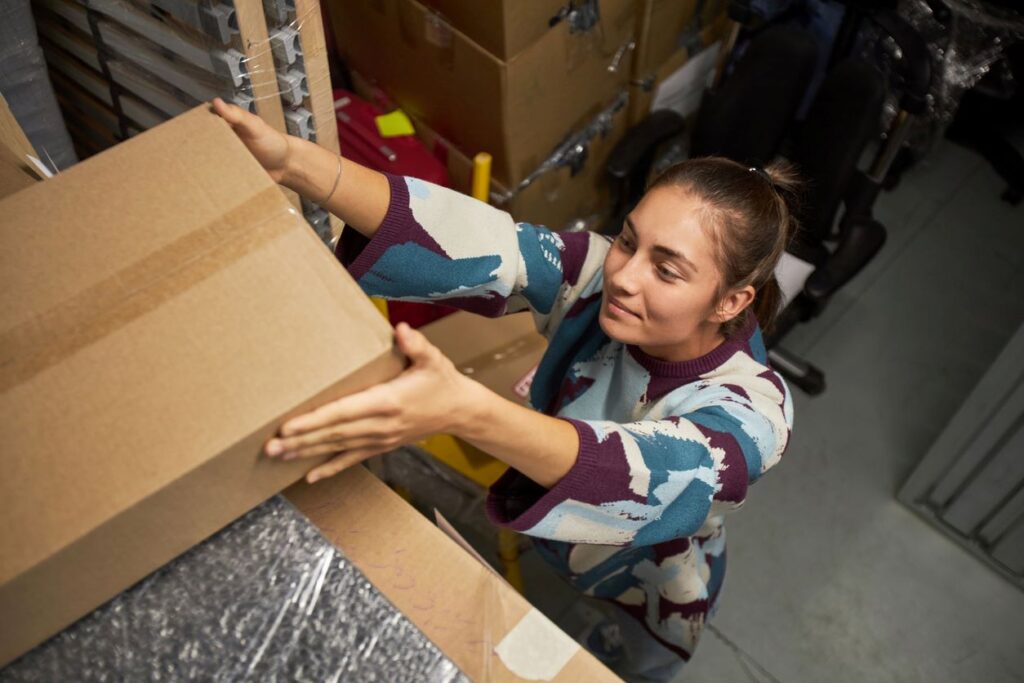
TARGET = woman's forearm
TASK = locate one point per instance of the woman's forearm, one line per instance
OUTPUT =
(361, 197)
(541, 447)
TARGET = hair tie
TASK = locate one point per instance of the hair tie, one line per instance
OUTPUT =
(764, 174)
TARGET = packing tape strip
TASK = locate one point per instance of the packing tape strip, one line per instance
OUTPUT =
(95, 312)
(535, 649)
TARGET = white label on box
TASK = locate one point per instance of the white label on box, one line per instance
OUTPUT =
(536, 649)
(522, 387)
(682, 91)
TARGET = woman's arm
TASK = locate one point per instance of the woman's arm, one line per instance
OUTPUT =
(430, 243)
(361, 196)
(542, 448)
(430, 397)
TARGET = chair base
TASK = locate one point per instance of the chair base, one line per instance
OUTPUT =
(797, 371)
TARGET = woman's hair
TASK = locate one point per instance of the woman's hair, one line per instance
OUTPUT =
(751, 215)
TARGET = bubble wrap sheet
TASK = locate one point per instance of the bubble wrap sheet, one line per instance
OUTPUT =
(266, 599)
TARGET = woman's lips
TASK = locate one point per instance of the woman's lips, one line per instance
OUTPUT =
(616, 308)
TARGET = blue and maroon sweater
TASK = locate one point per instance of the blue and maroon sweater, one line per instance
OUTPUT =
(666, 448)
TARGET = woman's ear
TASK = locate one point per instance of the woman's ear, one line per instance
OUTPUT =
(734, 303)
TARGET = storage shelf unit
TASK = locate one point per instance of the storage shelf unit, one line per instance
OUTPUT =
(122, 66)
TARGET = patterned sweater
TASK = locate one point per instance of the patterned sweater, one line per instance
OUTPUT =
(665, 447)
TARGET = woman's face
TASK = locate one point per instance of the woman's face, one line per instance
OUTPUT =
(661, 279)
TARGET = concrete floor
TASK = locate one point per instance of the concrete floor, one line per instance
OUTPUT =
(830, 578)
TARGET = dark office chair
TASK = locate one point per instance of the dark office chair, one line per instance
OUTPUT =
(750, 117)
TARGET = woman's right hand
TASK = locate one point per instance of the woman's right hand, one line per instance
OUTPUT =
(270, 147)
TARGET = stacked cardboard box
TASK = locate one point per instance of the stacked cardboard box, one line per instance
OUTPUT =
(511, 79)
(153, 341)
(164, 308)
(517, 108)
(669, 34)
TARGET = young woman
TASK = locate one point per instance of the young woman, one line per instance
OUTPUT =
(654, 405)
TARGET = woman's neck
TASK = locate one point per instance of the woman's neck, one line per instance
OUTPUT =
(703, 341)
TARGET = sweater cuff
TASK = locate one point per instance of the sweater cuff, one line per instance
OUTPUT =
(517, 502)
(358, 255)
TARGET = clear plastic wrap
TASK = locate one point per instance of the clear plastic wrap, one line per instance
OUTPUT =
(964, 45)
(266, 599)
(572, 152)
(189, 48)
(964, 48)
(25, 85)
(150, 60)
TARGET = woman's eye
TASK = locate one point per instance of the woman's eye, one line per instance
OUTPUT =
(667, 273)
(625, 242)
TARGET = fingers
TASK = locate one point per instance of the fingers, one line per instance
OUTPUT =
(413, 344)
(244, 123)
(228, 112)
(375, 401)
(332, 440)
(343, 461)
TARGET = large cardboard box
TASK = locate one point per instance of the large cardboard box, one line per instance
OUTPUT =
(662, 29)
(502, 27)
(660, 69)
(500, 353)
(487, 629)
(557, 198)
(163, 309)
(518, 110)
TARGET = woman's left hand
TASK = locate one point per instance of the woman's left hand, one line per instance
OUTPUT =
(429, 397)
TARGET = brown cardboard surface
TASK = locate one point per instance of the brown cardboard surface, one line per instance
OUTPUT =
(460, 604)
(518, 110)
(641, 97)
(13, 176)
(502, 27)
(15, 172)
(11, 135)
(555, 198)
(497, 352)
(660, 30)
(160, 318)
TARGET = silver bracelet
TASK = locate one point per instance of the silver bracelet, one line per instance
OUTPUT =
(335, 186)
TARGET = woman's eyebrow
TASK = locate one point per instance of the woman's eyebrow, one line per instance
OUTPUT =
(672, 253)
(661, 249)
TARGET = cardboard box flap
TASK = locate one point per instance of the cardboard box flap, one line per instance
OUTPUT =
(161, 302)
(13, 176)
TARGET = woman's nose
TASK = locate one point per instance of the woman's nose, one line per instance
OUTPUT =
(626, 278)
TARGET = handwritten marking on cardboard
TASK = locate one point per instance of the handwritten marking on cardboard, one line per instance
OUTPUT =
(535, 649)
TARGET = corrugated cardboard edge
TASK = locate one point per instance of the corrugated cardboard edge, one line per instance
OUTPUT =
(11, 134)
(455, 601)
(187, 510)
(14, 148)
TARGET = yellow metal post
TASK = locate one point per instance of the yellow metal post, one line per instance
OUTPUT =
(482, 176)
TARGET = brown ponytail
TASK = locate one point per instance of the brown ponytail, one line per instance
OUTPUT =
(752, 212)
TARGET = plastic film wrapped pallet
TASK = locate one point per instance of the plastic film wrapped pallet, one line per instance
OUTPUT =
(123, 66)
(296, 35)
(268, 598)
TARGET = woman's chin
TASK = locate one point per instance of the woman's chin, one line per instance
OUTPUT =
(617, 330)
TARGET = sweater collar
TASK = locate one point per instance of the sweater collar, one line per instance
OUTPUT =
(696, 367)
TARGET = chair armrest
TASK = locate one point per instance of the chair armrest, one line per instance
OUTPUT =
(861, 240)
